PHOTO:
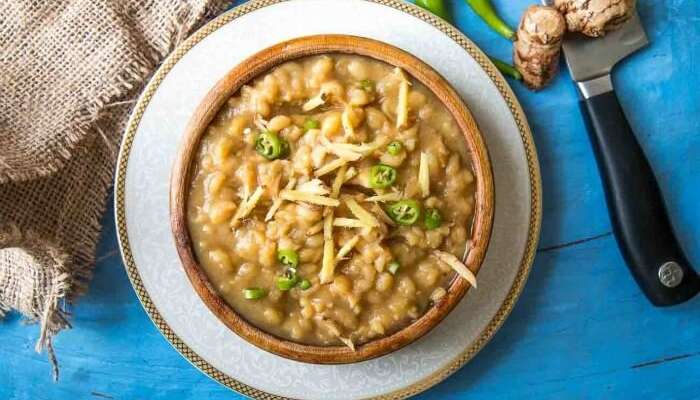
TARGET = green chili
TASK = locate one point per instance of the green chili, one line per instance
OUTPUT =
(311, 123)
(288, 280)
(253, 293)
(436, 7)
(288, 257)
(304, 284)
(269, 145)
(367, 85)
(507, 69)
(393, 267)
(394, 148)
(382, 176)
(404, 212)
(285, 283)
(432, 218)
(485, 10)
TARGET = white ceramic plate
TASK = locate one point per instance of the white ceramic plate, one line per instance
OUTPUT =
(150, 146)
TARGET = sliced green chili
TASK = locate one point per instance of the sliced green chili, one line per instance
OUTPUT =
(405, 212)
(288, 280)
(367, 85)
(269, 145)
(253, 293)
(288, 257)
(311, 123)
(304, 284)
(394, 148)
(285, 283)
(382, 176)
(507, 69)
(393, 267)
(436, 7)
(432, 218)
(485, 10)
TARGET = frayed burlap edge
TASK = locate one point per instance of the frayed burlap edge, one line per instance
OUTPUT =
(75, 271)
(49, 308)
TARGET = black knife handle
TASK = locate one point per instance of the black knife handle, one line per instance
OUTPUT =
(637, 211)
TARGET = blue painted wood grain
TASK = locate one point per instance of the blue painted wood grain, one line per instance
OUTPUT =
(581, 330)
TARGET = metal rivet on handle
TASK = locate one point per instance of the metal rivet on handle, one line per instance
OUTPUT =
(670, 274)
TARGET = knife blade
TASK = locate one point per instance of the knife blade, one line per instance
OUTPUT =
(637, 210)
(590, 58)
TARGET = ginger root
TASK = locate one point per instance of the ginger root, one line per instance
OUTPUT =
(537, 45)
(595, 17)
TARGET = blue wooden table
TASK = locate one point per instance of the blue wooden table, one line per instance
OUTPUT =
(581, 329)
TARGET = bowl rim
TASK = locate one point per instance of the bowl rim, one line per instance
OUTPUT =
(253, 67)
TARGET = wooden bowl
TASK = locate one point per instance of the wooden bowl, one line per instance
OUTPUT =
(261, 63)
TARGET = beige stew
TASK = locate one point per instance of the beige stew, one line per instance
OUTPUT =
(332, 200)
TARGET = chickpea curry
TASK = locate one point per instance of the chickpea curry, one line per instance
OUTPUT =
(332, 200)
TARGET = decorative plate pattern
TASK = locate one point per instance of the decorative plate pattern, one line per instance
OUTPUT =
(141, 194)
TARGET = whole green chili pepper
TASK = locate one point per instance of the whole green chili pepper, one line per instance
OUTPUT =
(507, 69)
(484, 9)
(436, 7)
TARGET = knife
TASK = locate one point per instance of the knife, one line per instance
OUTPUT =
(637, 211)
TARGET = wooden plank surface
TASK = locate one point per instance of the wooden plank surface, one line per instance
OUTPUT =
(581, 330)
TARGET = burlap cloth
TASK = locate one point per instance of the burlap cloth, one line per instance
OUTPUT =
(69, 73)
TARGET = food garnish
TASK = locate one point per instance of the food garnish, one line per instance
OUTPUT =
(363, 215)
(402, 106)
(277, 202)
(288, 257)
(394, 148)
(404, 212)
(304, 284)
(432, 218)
(253, 293)
(295, 195)
(394, 267)
(456, 265)
(350, 223)
(311, 123)
(328, 264)
(391, 196)
(331, 166)
(271, 146)
(424, 174)
(347, 247)
(247, 206)
(382, 176)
